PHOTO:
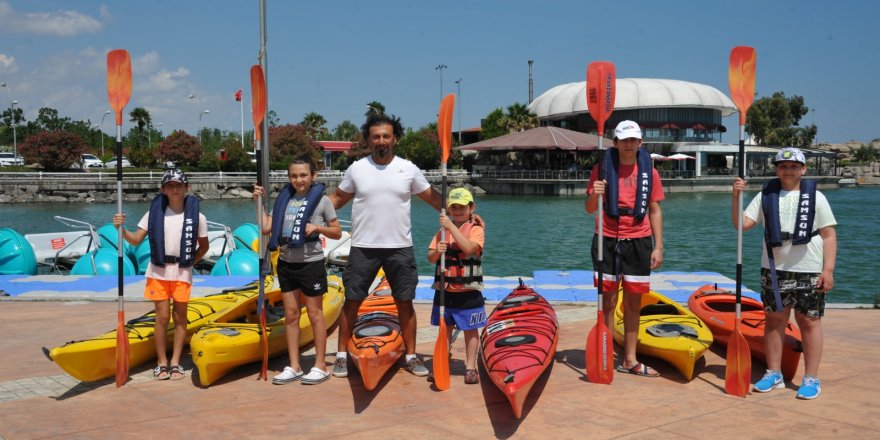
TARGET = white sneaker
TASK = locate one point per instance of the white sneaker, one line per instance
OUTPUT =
(287, 376)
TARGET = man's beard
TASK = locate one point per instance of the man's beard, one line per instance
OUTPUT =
(382, 152)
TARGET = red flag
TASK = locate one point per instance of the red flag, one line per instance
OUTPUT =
(238, 95)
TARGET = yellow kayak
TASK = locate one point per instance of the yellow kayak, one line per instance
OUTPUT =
(95, 359)
(667, 331)
(233, 339)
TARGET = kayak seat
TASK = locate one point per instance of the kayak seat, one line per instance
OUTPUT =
(672, 330)
(659, 309)
(515, 340)
(372, 331)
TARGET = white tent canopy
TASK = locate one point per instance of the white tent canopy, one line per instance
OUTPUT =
(633, 93)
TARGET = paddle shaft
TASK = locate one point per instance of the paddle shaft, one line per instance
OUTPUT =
(739, 226)
(119, 239)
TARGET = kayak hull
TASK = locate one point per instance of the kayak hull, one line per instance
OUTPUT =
(658, 313)
(233, 339)
(518, 344)
(95, 359)
(717, 308)
(376, 342)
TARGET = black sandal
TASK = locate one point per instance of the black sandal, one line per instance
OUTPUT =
(176, 369)
(161, 372)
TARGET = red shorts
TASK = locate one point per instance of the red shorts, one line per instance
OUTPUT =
(162, 290)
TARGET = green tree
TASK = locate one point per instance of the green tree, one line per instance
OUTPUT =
(141, 117)
(273, 119)
(48, 120)
(346, 131)
(519, 118)
(421, 147)
(494, 124)
(54, 150)
(180, 147)
(374, 107)
(775, 120)
(236, 157)
(289, 141)
(314, 122)
(865, 154)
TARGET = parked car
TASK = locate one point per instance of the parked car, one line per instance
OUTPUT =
(90, 161)
(112, 163)
(10, 159)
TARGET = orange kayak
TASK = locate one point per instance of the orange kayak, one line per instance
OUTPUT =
(717, 308)
(518, 343)
(376, 342)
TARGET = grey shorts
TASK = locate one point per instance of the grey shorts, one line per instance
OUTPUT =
(797, 290)
(400, 269)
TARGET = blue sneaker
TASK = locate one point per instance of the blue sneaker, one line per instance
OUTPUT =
(771, 380)
(810, 388)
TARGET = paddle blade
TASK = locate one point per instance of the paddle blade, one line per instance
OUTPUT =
(739, 365)
(118, 81)
(601, 90)
(444, 126)
(600, 353)
(122, 350)
(742, 79)
(441, 358)
(258, 99)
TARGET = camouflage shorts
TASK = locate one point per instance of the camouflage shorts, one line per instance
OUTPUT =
(797, 290)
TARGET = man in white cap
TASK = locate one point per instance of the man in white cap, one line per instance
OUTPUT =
(797, 265)
(632, 232)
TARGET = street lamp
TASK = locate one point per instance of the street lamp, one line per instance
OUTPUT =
(204, 112)
(102, 132)
(458, 83)
(12, 105)
(440, 68)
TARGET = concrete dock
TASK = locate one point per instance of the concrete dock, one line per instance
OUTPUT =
(37, 400)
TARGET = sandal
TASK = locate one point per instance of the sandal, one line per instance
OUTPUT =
(178, 370)
(471, 376)
(315, 376)
(161, 372)
(639, 369)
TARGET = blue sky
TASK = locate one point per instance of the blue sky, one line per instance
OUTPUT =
(332, 57)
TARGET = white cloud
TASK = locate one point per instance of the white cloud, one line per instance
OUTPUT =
(7, 64)
(61, 23)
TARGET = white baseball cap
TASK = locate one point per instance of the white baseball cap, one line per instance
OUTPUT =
(627, 130)
(790, 154)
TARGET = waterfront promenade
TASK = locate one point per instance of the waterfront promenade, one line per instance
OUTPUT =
(100, 186)
(37, 400)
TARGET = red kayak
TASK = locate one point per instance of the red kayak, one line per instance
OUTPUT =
(518, 343)
(717, 308)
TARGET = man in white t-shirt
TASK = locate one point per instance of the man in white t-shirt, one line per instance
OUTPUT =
(800, 270)
(382, 186)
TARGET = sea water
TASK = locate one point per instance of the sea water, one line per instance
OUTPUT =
(528, 233)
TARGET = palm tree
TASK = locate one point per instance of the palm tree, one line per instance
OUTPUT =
(141, 117)
(374, 107)
(519, 118)
(315, 124)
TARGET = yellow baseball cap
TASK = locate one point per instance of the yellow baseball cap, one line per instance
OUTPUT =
(459, 196)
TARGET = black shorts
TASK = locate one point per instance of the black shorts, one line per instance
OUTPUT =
(798, 291)
(625, 261)
(364, 263)
(309, 277)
